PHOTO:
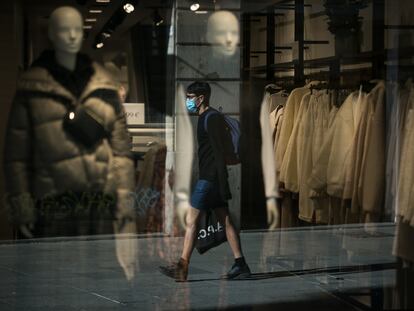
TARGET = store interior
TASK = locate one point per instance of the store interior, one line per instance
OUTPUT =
(324, 96)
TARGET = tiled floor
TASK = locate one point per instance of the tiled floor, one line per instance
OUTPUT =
(298, 268)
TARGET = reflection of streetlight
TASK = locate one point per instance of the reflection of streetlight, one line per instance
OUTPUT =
(195, 6)
(129, 8)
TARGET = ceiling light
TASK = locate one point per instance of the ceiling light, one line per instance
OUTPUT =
(195, 6)
(128, 7)
(99, 45)
(201, 12)
(95, 11)
(87, 26)
(90, 20)
(103, 1)
(106, 34)
(157, 18)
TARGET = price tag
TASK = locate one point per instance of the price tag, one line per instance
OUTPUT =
(134, 113)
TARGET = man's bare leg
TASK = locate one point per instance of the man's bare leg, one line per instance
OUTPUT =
(240, 269)
(179, 270)
(232, 236)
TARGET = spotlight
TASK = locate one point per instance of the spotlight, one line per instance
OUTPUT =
(128, 7)
(157, 18)
(106, 34)
(99, 45)
(195, 6)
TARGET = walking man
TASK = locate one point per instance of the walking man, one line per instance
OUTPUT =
(212, 188)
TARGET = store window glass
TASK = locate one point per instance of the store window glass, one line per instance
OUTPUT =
(210, 154)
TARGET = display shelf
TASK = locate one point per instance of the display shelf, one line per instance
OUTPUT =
(363, 57)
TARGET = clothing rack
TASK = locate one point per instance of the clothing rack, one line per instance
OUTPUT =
(376, 58)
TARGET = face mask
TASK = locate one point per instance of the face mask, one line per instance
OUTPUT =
(191, 105)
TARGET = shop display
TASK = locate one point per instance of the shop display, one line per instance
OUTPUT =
(103, 151)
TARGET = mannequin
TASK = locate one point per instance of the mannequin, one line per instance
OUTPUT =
(184, 155)
(50, 170)
(223, 34)
(268, 166)
(65, 31)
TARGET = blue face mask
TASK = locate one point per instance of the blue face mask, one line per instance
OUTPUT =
(191, 105)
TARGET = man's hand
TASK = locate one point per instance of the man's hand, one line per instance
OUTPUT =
(273, 214)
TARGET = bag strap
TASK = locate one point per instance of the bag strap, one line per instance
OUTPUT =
(206, 118)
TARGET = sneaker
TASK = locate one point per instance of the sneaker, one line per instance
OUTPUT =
(238, 272)
(177, 271)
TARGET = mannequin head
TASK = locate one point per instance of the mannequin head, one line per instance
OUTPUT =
(223, 33)
(66, 30)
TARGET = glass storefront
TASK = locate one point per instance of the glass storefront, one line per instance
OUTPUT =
(134, 132)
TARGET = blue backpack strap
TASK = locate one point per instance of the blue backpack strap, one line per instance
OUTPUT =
(206, 118)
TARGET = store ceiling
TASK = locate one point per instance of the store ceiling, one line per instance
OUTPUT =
(39, 10)
(96, 13)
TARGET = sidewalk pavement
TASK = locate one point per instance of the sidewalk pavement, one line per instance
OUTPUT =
(304, 268)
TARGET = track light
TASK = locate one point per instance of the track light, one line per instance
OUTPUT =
(128, 7)
(99, 40)
(194, 6)
(157, 18)
(106, 34)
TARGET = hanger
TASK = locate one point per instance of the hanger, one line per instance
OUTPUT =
(272, 88)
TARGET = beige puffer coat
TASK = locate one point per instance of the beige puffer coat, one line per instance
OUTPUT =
(42, 159)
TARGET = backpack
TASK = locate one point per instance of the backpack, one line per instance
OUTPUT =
(232, 153)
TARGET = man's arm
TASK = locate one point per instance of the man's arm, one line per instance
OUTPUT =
(217, 132)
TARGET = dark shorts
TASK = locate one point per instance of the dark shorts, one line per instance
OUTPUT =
(206, 195)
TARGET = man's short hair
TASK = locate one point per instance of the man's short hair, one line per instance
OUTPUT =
(200, 88)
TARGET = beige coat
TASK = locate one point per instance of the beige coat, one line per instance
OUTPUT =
(365, 176)
(371, 185)
(289, 173)
(313, 126)
(328, 174)
(289, 118)
(353, 170)
(42, 159)
(276, 121)
(395, 142)
(405, 198)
